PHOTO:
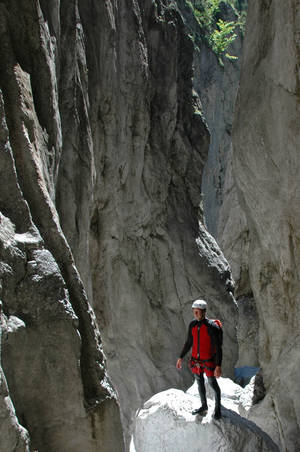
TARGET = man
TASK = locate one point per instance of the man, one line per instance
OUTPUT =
(205, 338)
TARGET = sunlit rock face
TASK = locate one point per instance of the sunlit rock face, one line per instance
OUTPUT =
(143, 256)
(266, 167)
(165, 423)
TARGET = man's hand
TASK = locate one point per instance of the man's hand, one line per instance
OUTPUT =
(179, 363)
(218, 371)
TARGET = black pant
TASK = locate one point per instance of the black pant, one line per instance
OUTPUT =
(202, 392)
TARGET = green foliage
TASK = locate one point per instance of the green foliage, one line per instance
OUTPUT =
(218, 33)
(205, 11)
(223, 36)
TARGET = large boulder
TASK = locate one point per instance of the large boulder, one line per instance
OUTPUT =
(165, 423)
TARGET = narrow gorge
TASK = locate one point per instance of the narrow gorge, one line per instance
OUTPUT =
(140, 169)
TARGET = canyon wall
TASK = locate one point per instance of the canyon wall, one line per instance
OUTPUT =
(216, 81)
(265, 169)
(103, 145)
(148, 256)
(54, 378)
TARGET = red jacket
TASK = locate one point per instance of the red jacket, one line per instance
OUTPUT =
(205, 339)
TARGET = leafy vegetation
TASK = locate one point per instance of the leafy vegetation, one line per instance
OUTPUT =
(222, 37)
(219, 33)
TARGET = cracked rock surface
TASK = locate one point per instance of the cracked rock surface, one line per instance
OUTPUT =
(51, 349)
(102, 153)
(265, 167)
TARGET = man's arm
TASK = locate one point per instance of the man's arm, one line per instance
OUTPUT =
(188, 342)
(186, 347)
(219, 353)
(215, 335)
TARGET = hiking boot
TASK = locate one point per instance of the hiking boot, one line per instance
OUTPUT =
(217, 414)
(202, 411)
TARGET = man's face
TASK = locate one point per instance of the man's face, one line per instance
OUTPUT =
(199, 314)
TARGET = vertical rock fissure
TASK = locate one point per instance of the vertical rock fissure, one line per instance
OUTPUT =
(56, 243)
(22, 126)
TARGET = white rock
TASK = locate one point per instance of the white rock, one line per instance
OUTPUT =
(165, 423)
(14, 324)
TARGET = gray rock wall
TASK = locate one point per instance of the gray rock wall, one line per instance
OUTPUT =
(216, 81)
(12, 435)
(266, 166)
(217, 85)
(51, 347)
(233, 238)
(150, 144)
(105, 144)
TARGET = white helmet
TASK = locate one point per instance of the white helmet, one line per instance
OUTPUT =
(199, 304)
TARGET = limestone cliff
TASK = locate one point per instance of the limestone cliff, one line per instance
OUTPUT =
(216, 81)
(51, 351)
(103, 145)
(147, 257)
(265, 167)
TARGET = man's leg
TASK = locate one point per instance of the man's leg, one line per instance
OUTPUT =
(202, 394)
(214, 384)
